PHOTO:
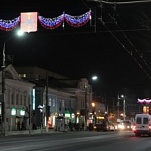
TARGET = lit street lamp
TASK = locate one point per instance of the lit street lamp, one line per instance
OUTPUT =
(93, 111)
(124, 114)
(40, 107)
(94, 78)
(86, 106)
(88, 90)
(19, 33)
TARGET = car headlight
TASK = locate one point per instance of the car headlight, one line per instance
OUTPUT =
(121, 126)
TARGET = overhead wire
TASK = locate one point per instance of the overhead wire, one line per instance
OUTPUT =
(126, 2)
(135, 49)
(117, 39)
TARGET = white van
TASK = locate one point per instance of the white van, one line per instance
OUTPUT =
(142, 124)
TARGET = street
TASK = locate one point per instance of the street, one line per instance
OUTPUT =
(81, 141)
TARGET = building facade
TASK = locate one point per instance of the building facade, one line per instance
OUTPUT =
(15, 105)
(30, 103)
(70, 100)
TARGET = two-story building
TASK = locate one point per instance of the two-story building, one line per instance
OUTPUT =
(35, 97)
(16, 98)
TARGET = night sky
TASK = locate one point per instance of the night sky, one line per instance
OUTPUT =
(118, 50)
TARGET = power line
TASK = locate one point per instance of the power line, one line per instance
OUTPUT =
(124, 35)
(120, 3)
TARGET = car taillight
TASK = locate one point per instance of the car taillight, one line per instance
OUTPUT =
(150, 127)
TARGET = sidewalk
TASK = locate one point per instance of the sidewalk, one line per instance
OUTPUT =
(38, 131)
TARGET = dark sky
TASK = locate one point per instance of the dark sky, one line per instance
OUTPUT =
(118, 50)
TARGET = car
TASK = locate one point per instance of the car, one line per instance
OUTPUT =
(125, 125)
(98, 127)
(104, 126)
(111, 126)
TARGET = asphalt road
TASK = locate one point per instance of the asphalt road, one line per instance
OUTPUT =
(76, 141)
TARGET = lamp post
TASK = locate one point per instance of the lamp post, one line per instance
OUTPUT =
(88, 91)
(118, 107)
(19, 33)
(47, 107)
(124, 115)
(93, 112)
(40, 107)
(93, 78)
(86, 107)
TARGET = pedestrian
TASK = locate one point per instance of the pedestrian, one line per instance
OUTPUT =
(18, 125)
(22, 126)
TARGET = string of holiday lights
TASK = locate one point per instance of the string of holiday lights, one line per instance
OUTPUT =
(144, 101)
(78, 21)
(49, 23)
(9, 25)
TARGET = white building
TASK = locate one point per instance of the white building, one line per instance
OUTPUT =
(17, 100)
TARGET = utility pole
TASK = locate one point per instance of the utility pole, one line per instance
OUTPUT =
(124, 114)
(3, 93)
(29, 112)
(118, 106)
(86, 108)
(20, 33)
(124, 110)
(40, 107)
(47, 107)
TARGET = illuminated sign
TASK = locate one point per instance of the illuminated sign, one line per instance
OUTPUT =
(29, 22)
(22, 112)
(13, 111)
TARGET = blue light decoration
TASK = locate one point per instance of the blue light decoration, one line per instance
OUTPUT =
(9, 25)
(78, 21)
(51, 23)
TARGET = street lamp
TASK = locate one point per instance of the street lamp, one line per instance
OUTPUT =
(124, 115)
(40, 107)
(88, 90)
(19, 33)
(86, 106)
(93, 111)
(94, 77)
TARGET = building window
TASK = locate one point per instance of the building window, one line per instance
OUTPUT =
(49, 104)
(53, 102)
(12, 99)
(9, 97)
(22, 75)
(62, 103)
(24, 100)
(17, 99)
(21, 100)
